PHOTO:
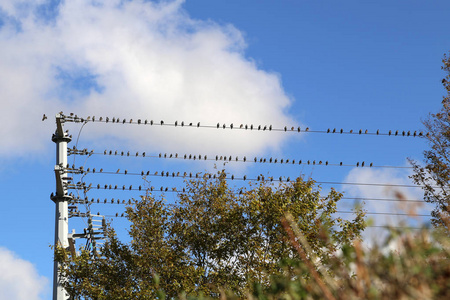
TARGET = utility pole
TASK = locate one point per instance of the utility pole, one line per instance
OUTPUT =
(61, 199)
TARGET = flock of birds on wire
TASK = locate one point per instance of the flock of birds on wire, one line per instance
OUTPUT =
(74, 118)
(82, 186)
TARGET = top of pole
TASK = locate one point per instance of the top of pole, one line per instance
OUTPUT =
(60, 135)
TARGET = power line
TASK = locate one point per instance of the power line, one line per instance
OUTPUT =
(228, 158)
(199, 175)
(116, 120)
(385, 213)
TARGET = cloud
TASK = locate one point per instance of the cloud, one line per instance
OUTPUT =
(402, 194)
(19, 278)
(132, 59)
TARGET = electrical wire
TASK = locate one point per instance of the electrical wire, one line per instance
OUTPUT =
(190, 175)
(230, 158)
(231, 126)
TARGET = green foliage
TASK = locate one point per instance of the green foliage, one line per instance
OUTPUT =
(435, 175)
(213, 239)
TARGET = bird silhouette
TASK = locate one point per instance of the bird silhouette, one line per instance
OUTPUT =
(44, 117)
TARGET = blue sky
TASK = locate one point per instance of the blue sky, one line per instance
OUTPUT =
(371, 65)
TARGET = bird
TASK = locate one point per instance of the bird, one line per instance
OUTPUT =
(307, 129)
(162, 122)
(176, 123)
(218, 125)
(198, 124)
(118, 170)
(231, 126)
(270, 127)
(44, 117)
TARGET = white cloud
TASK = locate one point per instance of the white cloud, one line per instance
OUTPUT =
(133, 59)
(402, 194)
(19, 278)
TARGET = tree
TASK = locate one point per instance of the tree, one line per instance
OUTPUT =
(435, 175)
(214, 238)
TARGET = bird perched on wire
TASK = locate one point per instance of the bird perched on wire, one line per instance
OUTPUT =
(44, 117)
